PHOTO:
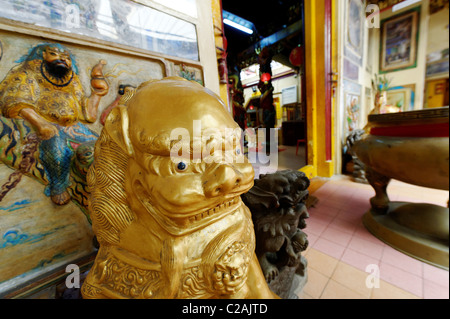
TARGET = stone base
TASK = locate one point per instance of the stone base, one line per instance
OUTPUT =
(299, 283)
(418, 230)
(288, 284)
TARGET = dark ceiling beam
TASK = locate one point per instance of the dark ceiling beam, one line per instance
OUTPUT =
(248, 56)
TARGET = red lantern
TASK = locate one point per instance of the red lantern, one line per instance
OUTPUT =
(296, 56)
(265, 77)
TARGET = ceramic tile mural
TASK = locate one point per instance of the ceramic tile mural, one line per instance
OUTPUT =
(120, 21)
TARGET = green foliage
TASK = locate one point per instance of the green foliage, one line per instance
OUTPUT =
(381, 84)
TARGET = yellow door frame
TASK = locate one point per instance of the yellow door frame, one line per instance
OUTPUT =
(320, 147)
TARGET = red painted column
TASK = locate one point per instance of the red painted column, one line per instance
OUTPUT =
(328, 79)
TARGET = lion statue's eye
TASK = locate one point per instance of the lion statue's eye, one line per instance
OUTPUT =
(181, 166)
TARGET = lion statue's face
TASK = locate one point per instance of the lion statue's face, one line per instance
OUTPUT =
(185, 180)
(184, 191)
(186, 194)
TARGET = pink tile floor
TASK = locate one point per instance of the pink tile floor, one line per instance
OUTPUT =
(335, 228)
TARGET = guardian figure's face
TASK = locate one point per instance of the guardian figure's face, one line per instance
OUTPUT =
(57, 61)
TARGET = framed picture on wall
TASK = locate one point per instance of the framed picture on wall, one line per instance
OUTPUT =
(354, 33)
(352, 111)
(399, 38)
(437, 68)
(401, 97)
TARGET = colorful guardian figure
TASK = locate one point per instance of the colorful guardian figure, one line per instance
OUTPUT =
(45, 91)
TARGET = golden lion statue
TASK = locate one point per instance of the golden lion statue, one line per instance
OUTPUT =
(171, 225)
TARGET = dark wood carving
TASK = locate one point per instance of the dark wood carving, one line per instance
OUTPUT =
(277, 203)
(358, 169)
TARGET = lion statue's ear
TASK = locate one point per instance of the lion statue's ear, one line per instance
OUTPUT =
(116, 126)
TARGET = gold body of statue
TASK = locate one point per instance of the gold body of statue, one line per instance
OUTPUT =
(172, 228)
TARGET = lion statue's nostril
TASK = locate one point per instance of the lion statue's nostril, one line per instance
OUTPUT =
(223, 180)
